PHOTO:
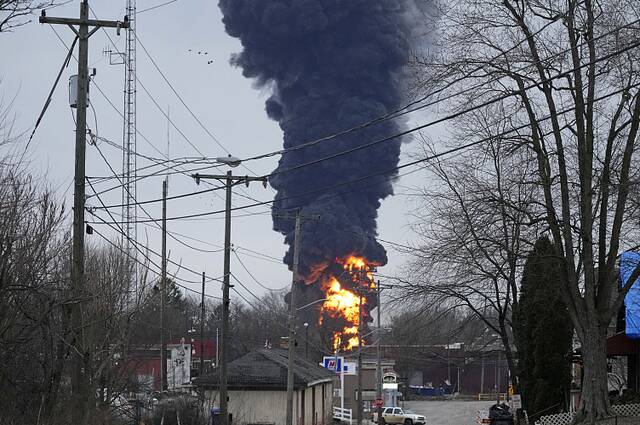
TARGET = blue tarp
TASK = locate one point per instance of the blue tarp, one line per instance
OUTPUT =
(628, 263)
(428, 391)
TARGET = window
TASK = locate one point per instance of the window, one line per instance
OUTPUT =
(397, 411)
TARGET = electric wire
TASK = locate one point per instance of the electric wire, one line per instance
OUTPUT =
(396, 168)
(195, 117)
(122, 232)
(174, 278)
(434, 122)
(103, 94)
(148, 9)
(253, 277)
(407, 108)
(65, 64)
(139, 245)
(456, 114)
(136, 203)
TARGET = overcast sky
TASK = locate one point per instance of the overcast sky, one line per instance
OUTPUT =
(225, 102)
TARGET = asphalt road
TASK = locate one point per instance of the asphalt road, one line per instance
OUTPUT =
(451, 412)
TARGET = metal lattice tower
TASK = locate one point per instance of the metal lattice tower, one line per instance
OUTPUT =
(129, 145)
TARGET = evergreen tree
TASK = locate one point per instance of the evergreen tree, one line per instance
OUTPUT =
(543, 333)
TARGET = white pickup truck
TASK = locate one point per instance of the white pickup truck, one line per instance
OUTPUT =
(395, 415)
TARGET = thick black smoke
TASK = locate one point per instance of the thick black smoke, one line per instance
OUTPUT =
(331, 65)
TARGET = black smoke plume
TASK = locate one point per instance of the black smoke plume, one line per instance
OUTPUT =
(330, 65)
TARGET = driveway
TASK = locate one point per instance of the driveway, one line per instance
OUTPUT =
(451, 412)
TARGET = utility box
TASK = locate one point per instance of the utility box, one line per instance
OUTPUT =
(73, 91)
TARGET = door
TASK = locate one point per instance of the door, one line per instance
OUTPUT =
(397, 415)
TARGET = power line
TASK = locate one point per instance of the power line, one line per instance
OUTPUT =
(115, 108)
(262, 255)
(253, 277)
(156, 6)
(456, 114)
(138, 245)
(133, 197)
(407, 108)
(394, 169)
(151, 262)
(426, 125)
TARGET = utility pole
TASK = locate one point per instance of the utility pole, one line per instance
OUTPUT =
(79, 378)
(202, 328)
(163, 290)
(229, 181)
(360, 341)
(379, 359)
(292, 318)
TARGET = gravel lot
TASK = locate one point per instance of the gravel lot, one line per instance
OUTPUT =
(456, 412)
(451, 412)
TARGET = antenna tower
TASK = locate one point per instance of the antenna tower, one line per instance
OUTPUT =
(129, 145)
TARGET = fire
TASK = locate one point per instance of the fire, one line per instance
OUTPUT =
(345, 304)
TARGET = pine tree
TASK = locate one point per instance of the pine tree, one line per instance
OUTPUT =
(543, 333)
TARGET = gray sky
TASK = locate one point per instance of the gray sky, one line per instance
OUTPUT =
(226, 103)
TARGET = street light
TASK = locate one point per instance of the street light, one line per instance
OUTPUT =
(306, 341)
(229, 160)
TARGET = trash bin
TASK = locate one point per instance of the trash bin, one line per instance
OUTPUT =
(499, 415)
(215, 416)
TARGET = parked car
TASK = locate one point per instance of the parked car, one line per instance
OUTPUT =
(396, 415)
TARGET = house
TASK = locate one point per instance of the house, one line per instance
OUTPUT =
(183, 362)
(257, 389)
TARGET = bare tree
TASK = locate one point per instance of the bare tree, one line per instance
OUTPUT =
(475, 221)
(33, 301)
(566, 72)
(15, 13)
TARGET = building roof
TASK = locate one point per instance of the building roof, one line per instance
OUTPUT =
(266, 369)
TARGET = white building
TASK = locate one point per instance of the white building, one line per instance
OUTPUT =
(257, 385)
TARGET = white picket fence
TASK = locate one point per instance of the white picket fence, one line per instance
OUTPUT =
(566, 418)
(342, 415)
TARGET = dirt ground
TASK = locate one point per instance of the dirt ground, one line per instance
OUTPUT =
(450, 412)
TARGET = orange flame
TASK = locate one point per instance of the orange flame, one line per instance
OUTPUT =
(344, 304)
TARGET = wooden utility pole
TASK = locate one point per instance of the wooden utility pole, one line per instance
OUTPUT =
(292, 319)
(202, 328)
(163, 290)
(360, 341)
(229, 181)
(80, 385)
(379, 359)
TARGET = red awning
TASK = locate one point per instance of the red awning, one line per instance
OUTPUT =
(621, 345)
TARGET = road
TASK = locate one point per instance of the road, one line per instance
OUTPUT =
(450, 412)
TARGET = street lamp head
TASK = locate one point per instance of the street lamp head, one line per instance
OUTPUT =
(306, 325)
(231, 161)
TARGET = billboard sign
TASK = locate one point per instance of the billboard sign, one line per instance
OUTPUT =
(629, 261)
(348, 368)
(329, 362)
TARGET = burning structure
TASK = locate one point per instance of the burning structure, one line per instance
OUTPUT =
(330, 66)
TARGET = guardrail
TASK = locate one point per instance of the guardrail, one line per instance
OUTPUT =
(343, 415)
(491, 396)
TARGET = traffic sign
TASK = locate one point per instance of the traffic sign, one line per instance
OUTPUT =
(516, 401)
(378, 403)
